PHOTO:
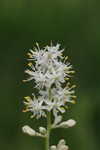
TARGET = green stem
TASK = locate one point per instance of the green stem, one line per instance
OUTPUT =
(48, 124)
(48, 130)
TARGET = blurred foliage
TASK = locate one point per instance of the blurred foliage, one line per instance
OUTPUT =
(76, 24)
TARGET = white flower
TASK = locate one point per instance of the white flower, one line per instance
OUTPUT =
(35, 106)
(63, 94)
(48, 65)
(56, 106)
(50, 72)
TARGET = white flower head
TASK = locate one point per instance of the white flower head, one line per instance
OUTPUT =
(50, 71)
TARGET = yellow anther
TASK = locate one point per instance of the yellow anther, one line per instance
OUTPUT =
(32, 116)
(73, 86)
(62, 109)
(73, 102)
(25, 110)
(27, 98)
(29, 55)
(72, 72)
(74, 97)
(66, 57)
(66, 78)
(66, 107)
(24, 80)
(30, 64)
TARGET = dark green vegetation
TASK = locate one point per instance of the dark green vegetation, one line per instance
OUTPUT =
(78, 24)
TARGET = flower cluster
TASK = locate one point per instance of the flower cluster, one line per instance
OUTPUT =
(51, 73)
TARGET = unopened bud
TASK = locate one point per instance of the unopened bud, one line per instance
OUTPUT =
(62, 142)
(53, 147)
(27, 130)
(64, 147)
(42, 130)
(67, 124)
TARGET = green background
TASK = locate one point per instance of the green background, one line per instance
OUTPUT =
(76, 25)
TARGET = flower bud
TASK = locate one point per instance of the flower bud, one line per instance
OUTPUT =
(62, 142)
(27, 130)
(53, 147)
(42, 130)
(63, 147)
(68, 124)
